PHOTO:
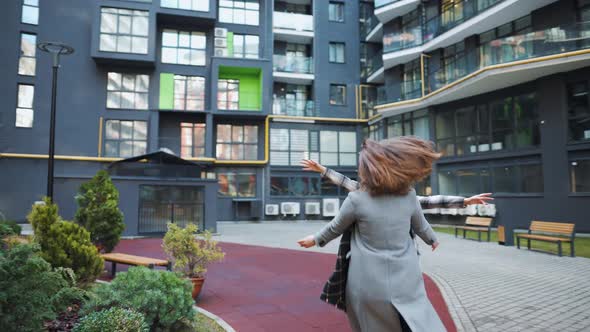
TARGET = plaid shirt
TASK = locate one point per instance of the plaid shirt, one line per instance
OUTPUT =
(335, 288)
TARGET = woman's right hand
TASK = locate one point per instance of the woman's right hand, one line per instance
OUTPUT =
(310, 165)
(307, 242)
(434, 246)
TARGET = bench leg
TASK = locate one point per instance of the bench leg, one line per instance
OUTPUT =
(528, 244)
(572, 251)
(559, 248)
(517, 242)
(456, 231)
(464, 233)
(151, 266)
(478, 236)
(489, 235)
(169, 266)
(113, 269)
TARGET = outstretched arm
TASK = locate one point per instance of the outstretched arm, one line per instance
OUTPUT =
(422, 227)
(336, 178)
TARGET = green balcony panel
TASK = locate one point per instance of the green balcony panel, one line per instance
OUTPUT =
(250, 89)
(166, 91)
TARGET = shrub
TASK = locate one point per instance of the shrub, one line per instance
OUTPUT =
(162, 297)
(16, 228)
(114, 319)
(65, 244)
(5, 230)
(98, 211)
(31, 291)
(190, 256)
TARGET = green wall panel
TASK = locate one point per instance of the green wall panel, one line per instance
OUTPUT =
(250, 85)
(230, 44)
(166, 91)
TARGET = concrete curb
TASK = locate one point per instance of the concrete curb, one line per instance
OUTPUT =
(458, 314)
(224, 325)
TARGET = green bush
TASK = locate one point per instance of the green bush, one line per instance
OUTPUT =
(114, 319)
(162, 297)
(5, 230)
(64, 243)
(16, 229)
(31, 292)
(98, 211)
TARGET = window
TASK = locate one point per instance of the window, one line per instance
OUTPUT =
(28, 48)
(578, 111)
(409, 124)
(289, 146)
(246, 46)
(228, 94)
(337, 52)
(239, 11)
(233, 184)
(237, 142)
(337, 94)
(195, 5)
(192, 142)
(124, 30)
(183, 47)
(336, 12)
(127, 91)
(502, 124)
(189, 93)
(580, 176)
(376, 131)
(338, 148)
(125, 139)
(30, 14)
(295, 186)
(24, 106)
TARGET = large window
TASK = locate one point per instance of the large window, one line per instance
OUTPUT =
(239, 11)
(336, 11)
(246, 46)
(289, 146)
(237, 142)
(409, 124)
(337, 94)
(338, 148)
(234, 184)
(28, 49)
(125, 139)
(502, 124)
(295, 186)
(184, 47)
(579, 111)
(228, 94)
(127, 91)
(513, 178)
(504, 50)
(24, 106)
(192, 142)
(189, 93)
(194, 5)
(124, 30)
(30, 13)
(580, 176)
(376, 131)
(336, 52)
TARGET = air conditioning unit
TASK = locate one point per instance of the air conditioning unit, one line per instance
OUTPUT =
(221, 42)
(271, 209)
(431, 211)
(331, 206)
(452, 211)
(312, 208)
(220, 32)
(290, 208)
(220, 52)
(487, 210)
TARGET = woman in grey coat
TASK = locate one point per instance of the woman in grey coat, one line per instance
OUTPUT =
(385, 285)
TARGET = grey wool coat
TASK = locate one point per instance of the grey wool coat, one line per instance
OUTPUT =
(384, 277)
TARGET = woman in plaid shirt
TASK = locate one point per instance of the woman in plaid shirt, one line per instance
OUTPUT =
(334, 289)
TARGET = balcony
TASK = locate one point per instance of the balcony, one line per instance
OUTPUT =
(466, 18)
(293, 28)
(386, 10)
(293, 107)
(499, 64)
(409, 90)
(373, 71)
(293, 69)
(371, 29)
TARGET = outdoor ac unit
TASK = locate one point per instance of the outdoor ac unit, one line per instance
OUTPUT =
(221, 42)
(271, 209)
(431, 211)
(449, 211)
(290, 208)
(312, 208)
(487, 210)
(470, 210)
(220, 32)
(220, 52)
(331, 207)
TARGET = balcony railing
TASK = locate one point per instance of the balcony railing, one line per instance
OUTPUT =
(292, 21)
(372, 65)
(381, 3)
(525, 46)
(367, 25)
(292, 64)
(419, 33)
(293, 107)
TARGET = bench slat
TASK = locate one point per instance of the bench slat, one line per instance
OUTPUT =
(484, 229)
(543, 237)
(552, 227)
(478, 221)
(133, 260)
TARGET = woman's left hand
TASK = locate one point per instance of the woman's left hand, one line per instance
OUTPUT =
(479, 199)
(307, 242)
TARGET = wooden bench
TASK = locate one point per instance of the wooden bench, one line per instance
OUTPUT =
(115, 258)
(559, 228)
(476, 224)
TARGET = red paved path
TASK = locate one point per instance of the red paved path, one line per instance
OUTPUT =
(259, 289)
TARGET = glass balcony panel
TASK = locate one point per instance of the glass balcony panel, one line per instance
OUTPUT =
(381, 3)
(292, 21)
(407, 38)
(293, 107)
(292, 64)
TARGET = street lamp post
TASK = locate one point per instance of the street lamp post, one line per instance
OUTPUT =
(56, 50)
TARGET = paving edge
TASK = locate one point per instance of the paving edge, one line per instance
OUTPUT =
(218, 320)
(456, 310)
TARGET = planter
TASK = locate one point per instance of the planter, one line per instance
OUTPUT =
(197, 286)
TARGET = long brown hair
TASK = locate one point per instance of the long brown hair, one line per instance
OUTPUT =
(392, 166)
